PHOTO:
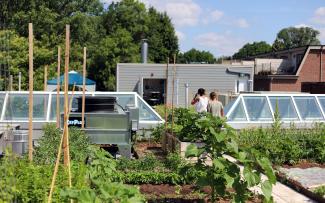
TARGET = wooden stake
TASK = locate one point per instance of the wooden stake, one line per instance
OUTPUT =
(83, 90)
(58, 90)
(30, 107)
(57, 162)
(10, 83)
(66, 86)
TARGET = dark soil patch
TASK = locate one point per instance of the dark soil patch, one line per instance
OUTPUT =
(184, 193)
(304, 164)
(145, 147)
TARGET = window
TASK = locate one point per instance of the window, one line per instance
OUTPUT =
(238, 114)
(308, 108)
(258, 108)
(285, 107)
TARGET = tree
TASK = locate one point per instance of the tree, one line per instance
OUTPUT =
(252, 49)
(292, 37)
(161, 36)
(196, 56)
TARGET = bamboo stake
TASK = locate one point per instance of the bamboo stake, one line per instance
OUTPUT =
(57, 162)
(83, 90)
(173, 90)
(66, 85)
(30, 108)
(58, 90)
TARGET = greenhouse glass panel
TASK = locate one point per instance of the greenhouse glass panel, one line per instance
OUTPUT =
(145, 113)
(308, 108)
(238, 114)
(2, 99)
(258, 108)
(17, 107)
(285, 107)
(322, 102)
(123, 99)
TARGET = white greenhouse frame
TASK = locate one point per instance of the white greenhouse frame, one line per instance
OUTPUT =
(286, 122)
(138, 102)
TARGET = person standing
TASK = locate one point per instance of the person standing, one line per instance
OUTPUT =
(215, 107)
(200, 101)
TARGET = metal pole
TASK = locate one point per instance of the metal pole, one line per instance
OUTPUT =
(10, 83)
(83, 90)
(58, 86)
(19, 81)
(177, 82)
(30, 106)
(186, 95)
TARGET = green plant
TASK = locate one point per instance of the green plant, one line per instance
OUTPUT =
(174, 162)
(223, 174)
(288, 146)
(158, 132)
(320, 191)
(46, 152)
(149, 162)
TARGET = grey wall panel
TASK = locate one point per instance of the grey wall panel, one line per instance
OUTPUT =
(212, 77)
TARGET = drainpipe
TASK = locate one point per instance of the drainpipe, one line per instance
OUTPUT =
(321, 64)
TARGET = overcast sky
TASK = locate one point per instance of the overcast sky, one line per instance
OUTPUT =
(223, 26)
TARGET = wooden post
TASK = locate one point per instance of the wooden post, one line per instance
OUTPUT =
(83, 90)
(30, 112)
(58, 90)
(66, 86)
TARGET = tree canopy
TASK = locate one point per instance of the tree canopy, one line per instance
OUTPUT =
(196, 56)
(292, 37)
(252, 49)
(112, 35)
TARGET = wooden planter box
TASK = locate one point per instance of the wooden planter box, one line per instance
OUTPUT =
(172, 144)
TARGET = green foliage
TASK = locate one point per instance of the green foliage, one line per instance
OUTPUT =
(158, 132)
(47, 150)
(320, 191)
(292, 37)
(26, 182)
(105, 192)
(252, 49)
(147, 163)
(111, 35)
(151, 177)
(286, 146)
(224, 174)
(196, 56)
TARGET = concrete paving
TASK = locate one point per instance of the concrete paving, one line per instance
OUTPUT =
(309, 177)
(280, 192)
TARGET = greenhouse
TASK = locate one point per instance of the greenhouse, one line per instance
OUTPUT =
(258, 110)
(14, 107)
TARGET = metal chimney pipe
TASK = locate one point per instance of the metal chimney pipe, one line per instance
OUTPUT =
(144, 50)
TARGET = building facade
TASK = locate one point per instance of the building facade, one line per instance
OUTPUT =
(181, 81)
(295, 70)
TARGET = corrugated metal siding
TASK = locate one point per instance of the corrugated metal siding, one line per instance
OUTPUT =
(211, 77)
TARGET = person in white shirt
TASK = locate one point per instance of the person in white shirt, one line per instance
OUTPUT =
(200, 101)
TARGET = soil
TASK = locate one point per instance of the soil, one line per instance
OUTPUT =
(184, 193)
(142, 148)
(304, 164)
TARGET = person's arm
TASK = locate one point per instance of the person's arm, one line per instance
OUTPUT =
(221, 112)
(195, 99)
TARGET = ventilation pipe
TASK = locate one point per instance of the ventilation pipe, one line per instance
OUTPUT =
(144, 50)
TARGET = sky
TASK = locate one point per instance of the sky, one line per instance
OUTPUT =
(224, 26)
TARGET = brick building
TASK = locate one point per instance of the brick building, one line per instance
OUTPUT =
(296, 70)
